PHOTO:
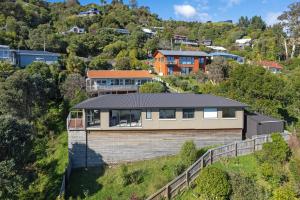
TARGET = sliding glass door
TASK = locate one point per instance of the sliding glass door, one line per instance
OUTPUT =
(125, 118)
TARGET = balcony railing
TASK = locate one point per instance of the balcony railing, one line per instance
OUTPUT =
(95, 88)
(76, 123)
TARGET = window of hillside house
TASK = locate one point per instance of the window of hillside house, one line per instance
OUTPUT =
(93, 118)
(202, 61)
(186, 70)
(228, 113)
(148, 114)
(186, 60)
(188, 113)
(210, 113)
(170, 59)
(167, 114)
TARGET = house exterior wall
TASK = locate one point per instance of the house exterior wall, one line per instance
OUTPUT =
(24, 60)
(162, 67)
(197, 123)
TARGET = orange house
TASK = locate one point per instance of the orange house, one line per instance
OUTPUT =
(168, 62)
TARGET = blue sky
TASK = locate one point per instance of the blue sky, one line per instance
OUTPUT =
(214, 10)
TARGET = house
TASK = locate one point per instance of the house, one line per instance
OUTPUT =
(207, 42)
(180, 39)
(90, 12)
(122, 31)
(169, 62)
(76, 29)
(242, 43)
(130, 127)
(116, 81)
(217, 48)
(7, 55)
(272, 66)
(258, 124)
(22, 58)
(237, 58)
(149, 32)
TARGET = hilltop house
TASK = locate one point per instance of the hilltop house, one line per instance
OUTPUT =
(90, 12)
(237, 58)
(168, 62)
(272, 66)
(75, 29)
(217, 48)
(180, 39)
(22, 58)
(130, 127)
(207, 42)
(116, 81)
(242, 43)
(149, 32)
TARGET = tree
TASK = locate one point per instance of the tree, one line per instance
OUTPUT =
(154, 87)
(123, 61)
(71, 3)
(290, 20)
(74, 64)
(218, 70)
(243, 22)
(6, 69)
(16, 140)
(133, 4)
(188, 153)
(98, 63)
(256, 22)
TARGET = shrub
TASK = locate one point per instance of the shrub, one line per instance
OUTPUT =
(284, 193)
(213, 183)
(136, 176)
(273, 173)
(275, 151)
(243, 187)
(188, 153)
(179, 168)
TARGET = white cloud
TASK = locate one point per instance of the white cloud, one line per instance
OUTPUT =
(186, 11)
(271, 18)
(190, 13)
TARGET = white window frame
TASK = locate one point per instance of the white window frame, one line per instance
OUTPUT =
(148, 112)
(210, 113)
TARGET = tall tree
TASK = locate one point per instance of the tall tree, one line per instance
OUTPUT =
(243, 22)
(291, 22)
(133, 4)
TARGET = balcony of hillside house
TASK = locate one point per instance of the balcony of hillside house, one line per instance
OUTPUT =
(75, 120)
(111, 88)
(78, 120)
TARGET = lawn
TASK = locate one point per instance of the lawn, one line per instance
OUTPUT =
(106, 183)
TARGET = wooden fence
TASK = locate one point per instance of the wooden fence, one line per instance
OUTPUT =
(245, 147)
(65, 180)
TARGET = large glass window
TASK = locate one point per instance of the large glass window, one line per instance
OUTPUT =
(202, 60)
(186, 70)
(125, 118)
(167, 114)
(228, 113)
(188, 113)
(129, 82)
(186, 60)
(93, 118)
(170, 59)
(210, 113)
(148, 114)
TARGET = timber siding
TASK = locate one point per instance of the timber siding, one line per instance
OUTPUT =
(126, 146)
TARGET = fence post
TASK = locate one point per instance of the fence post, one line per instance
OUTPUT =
(236, 149)
(187, 178)
(211, 156)
(254, 145)
(168, 192)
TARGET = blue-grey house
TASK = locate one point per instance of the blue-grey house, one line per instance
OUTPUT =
(22, 58)
(237, 58)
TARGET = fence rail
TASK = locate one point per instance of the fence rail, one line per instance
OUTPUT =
(213, 155)
(65, 180)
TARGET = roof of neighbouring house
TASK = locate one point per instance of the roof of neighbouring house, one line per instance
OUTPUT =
(270, 64)
(243, 41)
(161, 100)
(181, 53)
(224, 54)
(262, 118)
(33, 52)
(118, 74)
(218, 48)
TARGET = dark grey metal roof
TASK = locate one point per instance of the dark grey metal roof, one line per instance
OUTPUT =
(262, 118)
(33, 52)
(183, 53)
(162, 100)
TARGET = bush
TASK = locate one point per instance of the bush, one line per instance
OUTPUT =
(243, 188)
(213, 183)
(136, 176)
(154, 87)
(273, 173)
(275, 151)
(284, 193)
(179, 168)
(188, 153)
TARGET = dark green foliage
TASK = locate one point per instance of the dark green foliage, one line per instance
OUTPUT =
(188, 153)
(284, 193)
(154, 87)
(179, 168)
(11, 181)
(213, 183)
(132, 177)
(276, 151)
(244, 188)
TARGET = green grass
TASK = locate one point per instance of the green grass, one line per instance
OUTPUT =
(243, 164)
(49, 170)
(106, 184)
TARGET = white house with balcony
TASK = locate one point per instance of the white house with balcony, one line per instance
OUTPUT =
(116, 81)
